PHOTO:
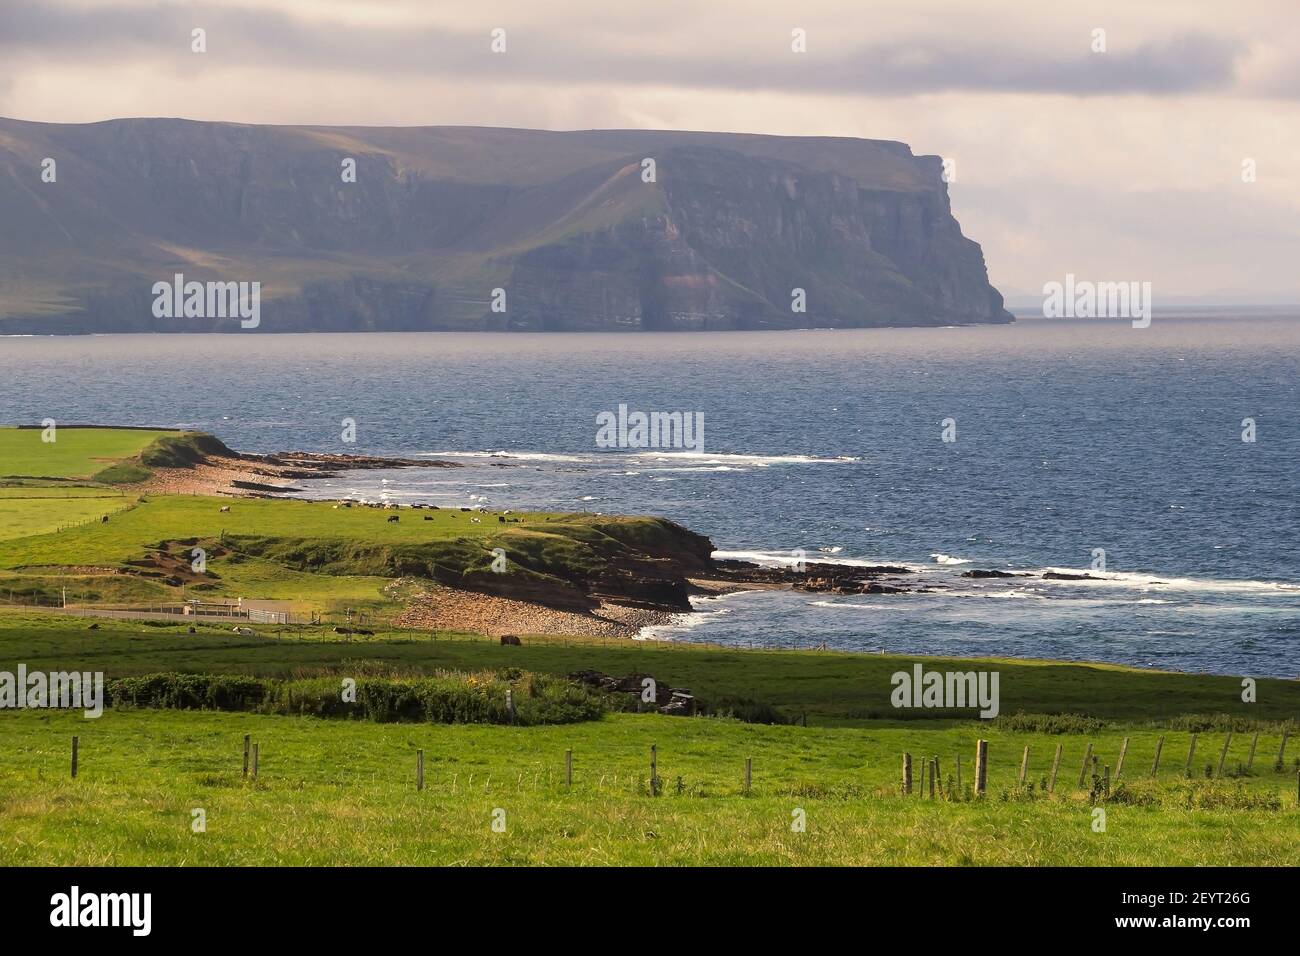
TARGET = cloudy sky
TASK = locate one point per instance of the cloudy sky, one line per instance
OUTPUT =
(1123, 164)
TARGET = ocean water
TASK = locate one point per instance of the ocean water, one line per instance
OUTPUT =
(1071, 436)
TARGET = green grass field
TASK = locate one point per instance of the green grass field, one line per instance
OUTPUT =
(341, 790)
(829, 687)
(75, 452)
(312, 553)
(343, 793)
(22, 517)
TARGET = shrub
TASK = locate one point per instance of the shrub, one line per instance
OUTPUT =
(186, 692)
(449, 698)
(1049, 723)
(746, 710)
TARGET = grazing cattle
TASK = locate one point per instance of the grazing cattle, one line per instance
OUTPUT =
(428, 517)
(104, 520)
(225, 508)
(510, 640)
(464, 509)
(475, 521)
(501, 518)
(394, 518)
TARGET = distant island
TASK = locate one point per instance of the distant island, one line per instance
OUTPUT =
(473, 229)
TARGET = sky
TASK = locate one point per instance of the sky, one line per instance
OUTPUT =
(1128, 163)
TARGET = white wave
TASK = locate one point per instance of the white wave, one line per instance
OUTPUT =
(787, 558)
(1150, 582)
(698, 468)
(515, 455)
(637, 455)
(948, 559)
(850, 606)
(1012, 593)
(761, 461)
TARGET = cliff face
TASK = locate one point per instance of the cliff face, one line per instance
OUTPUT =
(439, 217)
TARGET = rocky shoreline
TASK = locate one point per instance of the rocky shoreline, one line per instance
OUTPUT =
(649, 589)
(266, 476)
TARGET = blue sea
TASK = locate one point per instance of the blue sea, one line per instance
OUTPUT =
(1071, 436)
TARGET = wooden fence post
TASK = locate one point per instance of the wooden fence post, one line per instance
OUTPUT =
(938, 772)
(74, 755)
(419, 770)
(934, 772)
(568, 768)
(1223, 754)
(1105, 780)
(1087, 759)
(1119, 764)
(654, 770)
(245, 755)
(907, 774)
(981, 767)
(1250, 761)
(1155, 765)
(1056, 764)
(749, 773)
(1191, 753)
(1024, 765)
(254, 761)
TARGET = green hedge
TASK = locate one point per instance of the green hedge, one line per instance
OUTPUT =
(451, 699)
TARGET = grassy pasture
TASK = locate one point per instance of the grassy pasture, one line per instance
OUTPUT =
(75, 453)
(343, 793)
(22, 517)
(312, 553)
(836, 688)
(184, 517)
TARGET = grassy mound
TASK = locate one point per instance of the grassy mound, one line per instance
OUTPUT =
(183, 451)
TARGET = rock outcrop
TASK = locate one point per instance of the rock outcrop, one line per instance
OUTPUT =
(566, 224)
